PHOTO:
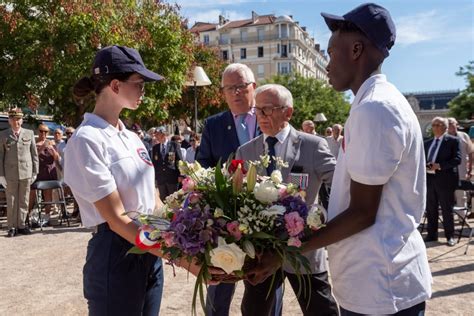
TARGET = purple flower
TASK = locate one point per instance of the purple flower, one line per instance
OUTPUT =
(192, 232)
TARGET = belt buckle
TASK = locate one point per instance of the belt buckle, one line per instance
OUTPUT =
(95, 230)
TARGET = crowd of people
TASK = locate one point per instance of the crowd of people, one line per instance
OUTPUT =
(376, 177)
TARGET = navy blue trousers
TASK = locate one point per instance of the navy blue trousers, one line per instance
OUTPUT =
(119, 284)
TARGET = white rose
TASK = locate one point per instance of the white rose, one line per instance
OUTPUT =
(274, 210)
(228, 257)
(266, 192)
(276, 176)
(314, 220)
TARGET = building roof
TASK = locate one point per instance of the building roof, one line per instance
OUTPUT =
(203, 27)
(260, 20)
(431, 100)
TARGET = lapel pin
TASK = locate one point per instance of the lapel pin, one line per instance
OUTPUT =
(229, 127)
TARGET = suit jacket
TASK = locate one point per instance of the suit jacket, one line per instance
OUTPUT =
(18, 156)
(449, 157)
(166, 170)
(309, 154)
(219, 139)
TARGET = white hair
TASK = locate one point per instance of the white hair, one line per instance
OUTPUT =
(452, 120)
(440, 119)
(241, 69)
(337, 126)
(283, 94)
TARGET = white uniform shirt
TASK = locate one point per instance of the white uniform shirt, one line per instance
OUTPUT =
(100, 159)
(384, 268)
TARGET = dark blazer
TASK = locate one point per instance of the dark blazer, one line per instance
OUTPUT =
(219, 139)
(166, 170)
(449, 157)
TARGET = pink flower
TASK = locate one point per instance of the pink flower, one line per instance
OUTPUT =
(188, 184)
(294, 241)
(282, 193)
(194, 197)
(168, 238)
(233, 229)
(294, 223)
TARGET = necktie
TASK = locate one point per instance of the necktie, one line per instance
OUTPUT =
(271, 141)
(433, 150)
(163, 151)
(242, 129)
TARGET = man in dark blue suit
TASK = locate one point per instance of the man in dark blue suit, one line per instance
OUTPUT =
(442, 159)
(223, 134)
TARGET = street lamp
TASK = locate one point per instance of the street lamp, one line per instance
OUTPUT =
(320, 118)
(198, 78)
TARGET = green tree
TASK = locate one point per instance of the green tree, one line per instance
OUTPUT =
(210, 99)
(46, 46)
(312, 96)
(462, 106)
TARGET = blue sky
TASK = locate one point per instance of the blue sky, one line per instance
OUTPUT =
(434, 37)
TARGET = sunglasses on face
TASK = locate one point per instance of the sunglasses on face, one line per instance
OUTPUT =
(68, 133)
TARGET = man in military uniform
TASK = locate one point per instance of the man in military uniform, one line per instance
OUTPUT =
(18, 169)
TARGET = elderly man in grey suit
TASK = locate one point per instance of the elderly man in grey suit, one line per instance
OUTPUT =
(309, 156)
(18, 169)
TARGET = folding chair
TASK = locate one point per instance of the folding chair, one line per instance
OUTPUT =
(464, 212)
(3, 205)
(39, 186)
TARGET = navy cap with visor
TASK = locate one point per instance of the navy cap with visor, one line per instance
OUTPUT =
(373, 20)
(120, 59)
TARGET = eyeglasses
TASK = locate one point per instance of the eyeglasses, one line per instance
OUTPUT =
(437, 124)
(68, 133)
(57, 133)
(267, 110)
(235, 88)
(139, 85)
(41, 131)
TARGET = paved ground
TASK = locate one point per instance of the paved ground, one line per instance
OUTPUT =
(41, 274)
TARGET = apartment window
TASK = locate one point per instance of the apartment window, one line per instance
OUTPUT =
(260, 51)
(289, 48)
(243, 53)
(278, 48)
(243, 35)
(225, 55)
(284, 69)
(224, 39)
(284, 30)
(206, 39)
(261, 34)
(261, 71)
(284, 51)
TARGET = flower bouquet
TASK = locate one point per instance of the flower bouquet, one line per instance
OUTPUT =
(227, 216)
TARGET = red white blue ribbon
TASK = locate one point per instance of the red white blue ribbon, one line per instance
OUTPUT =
(143, 239)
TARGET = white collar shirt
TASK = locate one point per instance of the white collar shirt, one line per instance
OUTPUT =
(100, 159)
(282, 137)
(384, 268)
(437, 147)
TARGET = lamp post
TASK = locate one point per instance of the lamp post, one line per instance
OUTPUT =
(320, 118)
(198, 78)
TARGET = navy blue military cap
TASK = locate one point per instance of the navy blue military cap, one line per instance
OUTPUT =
(121, 59)
(373, 20)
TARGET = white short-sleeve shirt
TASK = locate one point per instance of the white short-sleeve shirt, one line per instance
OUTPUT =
(100, 159)
(384, 268)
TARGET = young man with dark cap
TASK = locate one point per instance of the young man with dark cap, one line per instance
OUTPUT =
(18, 170)
(377, 257)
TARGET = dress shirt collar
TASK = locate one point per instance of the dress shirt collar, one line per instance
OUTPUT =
(281, 136)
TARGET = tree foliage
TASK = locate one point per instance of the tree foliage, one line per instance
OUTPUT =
(462, 106)
(46, 46)
(312, 96)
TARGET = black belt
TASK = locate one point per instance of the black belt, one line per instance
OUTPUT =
(102, 228)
